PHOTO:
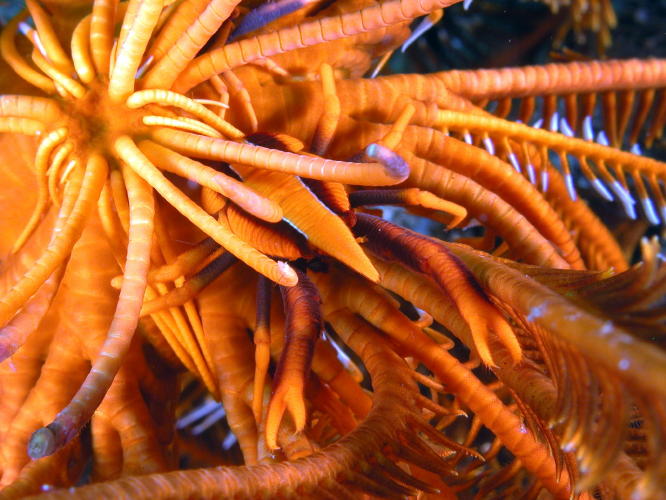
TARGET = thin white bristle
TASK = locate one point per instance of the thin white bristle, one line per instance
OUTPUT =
(211, 102)
(197, 413)
(565, 128)
(588, 131)
(625, 198)
(544, 180)
(423, 26)
(209, 421)
(24, 28)
(514, 161)
(229, 440)
(650, 212)
(27, 30)
(602, 138)
(378, 67)
(571, 189)
(142, 69)
(600, 188)
(489, 145)
(531, 174)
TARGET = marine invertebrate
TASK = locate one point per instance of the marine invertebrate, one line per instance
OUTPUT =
(120, 111)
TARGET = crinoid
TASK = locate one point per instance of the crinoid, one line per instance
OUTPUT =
(192, 258)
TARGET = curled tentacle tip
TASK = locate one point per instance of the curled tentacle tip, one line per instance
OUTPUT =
(288, 276)
(396, 167)
(42, 443)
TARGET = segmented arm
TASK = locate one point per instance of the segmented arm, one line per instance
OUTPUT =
(132, 47)
(166, 70)
(424, 255)
(132, 155)
(385, 171)
(236, 191)
(15, 60)
(101, 26)
(562, 78)
(302, 328)
(303, 35)
(69, 421)
(39, 109)
(61, 246)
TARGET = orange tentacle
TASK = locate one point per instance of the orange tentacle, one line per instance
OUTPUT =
(303, 326)
(304, 35)
(424, 255)
(78, 412)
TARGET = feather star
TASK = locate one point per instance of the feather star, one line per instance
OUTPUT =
(198, 252)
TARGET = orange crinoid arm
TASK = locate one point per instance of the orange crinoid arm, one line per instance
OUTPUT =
(424, 255)
(169, 166)
(130, 153)
(302, 328)
(70, 420)
(307, 34)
